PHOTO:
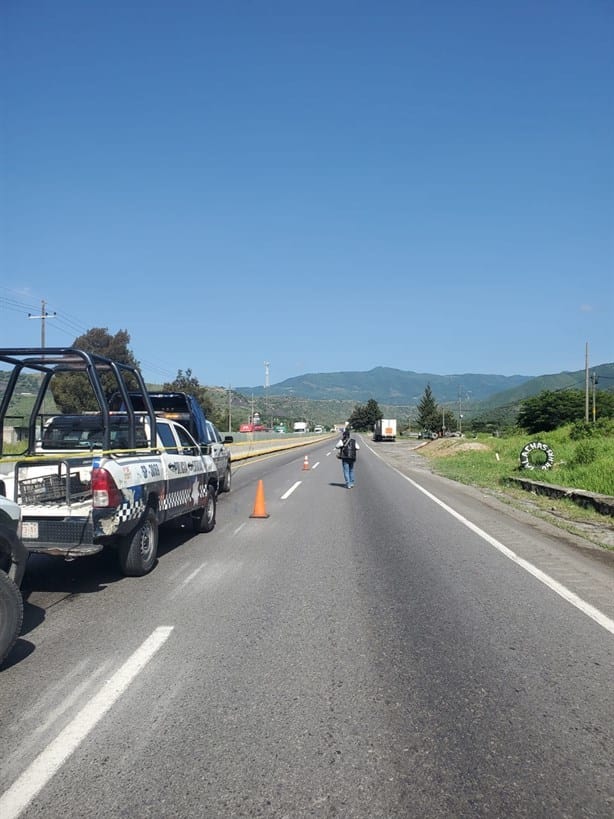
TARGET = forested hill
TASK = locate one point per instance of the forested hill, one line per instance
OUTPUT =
(403, 387)
(601, 378)
(389, 386)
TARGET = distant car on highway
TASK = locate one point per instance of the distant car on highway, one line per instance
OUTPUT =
(252, 428)
(216, 446)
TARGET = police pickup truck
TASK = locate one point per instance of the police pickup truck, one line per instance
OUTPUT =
(185, 409)
(96, 479)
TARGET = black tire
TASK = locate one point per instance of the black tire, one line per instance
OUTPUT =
(545, 455)
(11, 614)
(204, 521)
(138, 550)
(227, 481)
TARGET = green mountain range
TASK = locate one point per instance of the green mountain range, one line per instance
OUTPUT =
(402, 387)
(328, 398)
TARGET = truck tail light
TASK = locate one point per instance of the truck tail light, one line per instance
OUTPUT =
(104, 489)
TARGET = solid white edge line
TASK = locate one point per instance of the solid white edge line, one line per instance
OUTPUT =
(47, 763)
(571, 597)
(291, 490)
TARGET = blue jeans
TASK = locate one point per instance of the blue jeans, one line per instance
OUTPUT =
(348, 472)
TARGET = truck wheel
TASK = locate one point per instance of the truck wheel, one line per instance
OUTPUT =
(204, 521)
(11, 614)
(226, 483)
(138, 550)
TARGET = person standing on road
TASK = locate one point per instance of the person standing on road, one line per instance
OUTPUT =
(347, 447)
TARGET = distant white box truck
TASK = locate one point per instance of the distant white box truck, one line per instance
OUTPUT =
(385, 429)
(301, 426)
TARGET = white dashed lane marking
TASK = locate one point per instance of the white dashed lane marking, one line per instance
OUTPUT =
(48, 762)
(291, 490)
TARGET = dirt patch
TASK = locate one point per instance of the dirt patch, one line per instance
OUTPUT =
(443, 447)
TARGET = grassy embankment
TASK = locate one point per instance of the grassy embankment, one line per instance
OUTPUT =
(488, 462)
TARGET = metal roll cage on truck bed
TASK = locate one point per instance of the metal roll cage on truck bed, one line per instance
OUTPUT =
(94, 478)
(51, 361)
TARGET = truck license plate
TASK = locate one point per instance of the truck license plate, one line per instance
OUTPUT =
(29, 530)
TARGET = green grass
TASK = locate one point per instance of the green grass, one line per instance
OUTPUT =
(578, 464)
(489, 462)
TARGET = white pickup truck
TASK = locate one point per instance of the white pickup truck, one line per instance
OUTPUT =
(95, 479)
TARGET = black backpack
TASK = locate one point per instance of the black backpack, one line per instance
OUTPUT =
(348, 450)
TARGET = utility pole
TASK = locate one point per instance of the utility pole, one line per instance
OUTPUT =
(595, 379)
(460, 411)
(229, 409)
(43, 316)
(586, 385)
(266, 393)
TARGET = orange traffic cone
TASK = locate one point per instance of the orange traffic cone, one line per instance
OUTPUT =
(306, 462)
(259, 504)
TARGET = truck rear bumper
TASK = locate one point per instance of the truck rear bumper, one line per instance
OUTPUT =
(68, 537)
(67, 552)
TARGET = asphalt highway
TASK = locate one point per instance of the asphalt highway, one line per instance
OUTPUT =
(405, 648)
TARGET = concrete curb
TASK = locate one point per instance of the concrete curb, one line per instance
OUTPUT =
(269, 447)
(604, 504)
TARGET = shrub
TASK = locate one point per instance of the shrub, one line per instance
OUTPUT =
(605, 426)
(581, 430)
(585, 453)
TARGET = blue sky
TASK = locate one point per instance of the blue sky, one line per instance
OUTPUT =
(324, 186)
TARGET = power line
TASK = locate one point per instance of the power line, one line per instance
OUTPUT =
(65, 323)
(43, 318)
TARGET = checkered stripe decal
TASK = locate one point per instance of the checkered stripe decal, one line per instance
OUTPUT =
(129, 510)
(180, 497)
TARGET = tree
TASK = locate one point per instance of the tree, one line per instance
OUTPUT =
(549, 410)
(364, 416)
(494, 421)
(98, 340)
(72, 392)
(429, 414)
(186, 382)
